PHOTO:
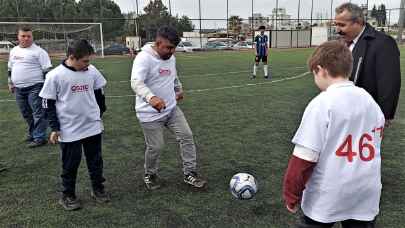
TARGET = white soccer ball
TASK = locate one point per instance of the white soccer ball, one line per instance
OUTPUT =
(243, 186)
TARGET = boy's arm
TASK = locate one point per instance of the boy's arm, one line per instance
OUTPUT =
(299, 170)
(50, 109)
(178, 88)
(100, 98)
(11, 86)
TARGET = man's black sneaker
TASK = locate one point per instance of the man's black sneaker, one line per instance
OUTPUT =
(192, 179)
(151, 181)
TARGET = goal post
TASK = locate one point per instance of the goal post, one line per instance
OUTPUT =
(55, 36)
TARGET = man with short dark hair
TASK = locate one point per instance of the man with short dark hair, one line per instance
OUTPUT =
(27, 66)
(74, 101)
(376, 65)
(157, 87)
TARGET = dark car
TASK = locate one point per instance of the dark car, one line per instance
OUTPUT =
(116, 49)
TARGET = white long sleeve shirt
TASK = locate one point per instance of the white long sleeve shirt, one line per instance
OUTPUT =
(153, 76)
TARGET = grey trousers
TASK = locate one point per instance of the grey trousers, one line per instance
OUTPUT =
(154, 140)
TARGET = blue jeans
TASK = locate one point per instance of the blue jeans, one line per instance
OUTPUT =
(30, 104)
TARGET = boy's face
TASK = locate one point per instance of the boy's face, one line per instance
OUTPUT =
(164, 48)
(262, 32)
(80, 64)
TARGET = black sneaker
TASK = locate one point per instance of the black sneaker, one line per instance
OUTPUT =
(266, 77)
(193, 180)
(151, 181)
(101, 196)
(70, 203)
(37, 143)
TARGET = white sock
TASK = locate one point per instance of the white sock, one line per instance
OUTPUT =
(266, 70)
(254, 69)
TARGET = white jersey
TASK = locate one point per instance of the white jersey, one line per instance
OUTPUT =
(159, 78)
(27, 65)
(76, 106)
(344, 126)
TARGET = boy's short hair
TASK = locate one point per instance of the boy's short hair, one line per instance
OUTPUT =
(262, 27)
(79, 49)
(334, 56)
(169, 33)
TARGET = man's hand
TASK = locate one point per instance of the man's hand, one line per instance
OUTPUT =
(11, 88)
(157, 103)
(179, 96)
(292, 208)
(53, 138)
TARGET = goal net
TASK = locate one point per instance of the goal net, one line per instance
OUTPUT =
(55, 37)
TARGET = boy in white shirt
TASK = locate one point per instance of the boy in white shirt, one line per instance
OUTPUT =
(74, 101)
(157, 87)
(335, 167)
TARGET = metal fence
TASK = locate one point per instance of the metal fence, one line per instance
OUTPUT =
(290, 23)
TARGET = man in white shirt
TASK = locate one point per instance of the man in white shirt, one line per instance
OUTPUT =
(157, 87)
(27, 66)
(336, 164)
(74, 102)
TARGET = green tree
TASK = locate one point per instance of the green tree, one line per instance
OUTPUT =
(104, 11)
(235, 25)
(157, 15)
(382, 15)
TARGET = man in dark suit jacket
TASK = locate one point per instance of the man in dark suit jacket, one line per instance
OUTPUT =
(376, 61)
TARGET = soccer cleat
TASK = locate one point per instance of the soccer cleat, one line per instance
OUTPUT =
(151, 181)
(253, 77)
(193, 180)
(37, 143)
(70, 203)
(100, 196)
(266, 77)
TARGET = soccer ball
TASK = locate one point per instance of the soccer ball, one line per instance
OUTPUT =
(243, 186)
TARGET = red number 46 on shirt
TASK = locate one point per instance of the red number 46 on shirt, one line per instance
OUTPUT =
(365, 144)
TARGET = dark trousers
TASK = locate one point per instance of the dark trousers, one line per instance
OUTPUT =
(30, 104)
(306, 222)
(71, 157)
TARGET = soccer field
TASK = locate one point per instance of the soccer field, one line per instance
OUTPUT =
(239, 125)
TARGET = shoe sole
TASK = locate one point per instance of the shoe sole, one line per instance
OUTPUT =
(69, 208)
(195, 186)
(152, 188)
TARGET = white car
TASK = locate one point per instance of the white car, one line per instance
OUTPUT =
(186, 46)
(5, 47)
(243, 45)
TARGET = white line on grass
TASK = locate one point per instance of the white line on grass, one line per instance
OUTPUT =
(202, 75)
(208, 89)
(226, 87)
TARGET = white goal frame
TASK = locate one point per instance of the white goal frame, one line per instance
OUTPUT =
(61, 23)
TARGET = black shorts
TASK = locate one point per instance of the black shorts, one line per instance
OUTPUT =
(262, 58)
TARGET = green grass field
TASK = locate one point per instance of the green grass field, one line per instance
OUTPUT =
(239, 125)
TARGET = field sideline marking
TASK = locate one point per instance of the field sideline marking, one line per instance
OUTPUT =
(226, 87)
(210, 74)
(208, 89)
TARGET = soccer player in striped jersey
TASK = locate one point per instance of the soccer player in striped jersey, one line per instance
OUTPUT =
(261, 51)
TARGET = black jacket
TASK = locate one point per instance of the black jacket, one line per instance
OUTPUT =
(376, 63)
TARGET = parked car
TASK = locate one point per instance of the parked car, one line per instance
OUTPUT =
(243, 45)
(186, 46)
(116, 49)
(5, 47)
(216, 45)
